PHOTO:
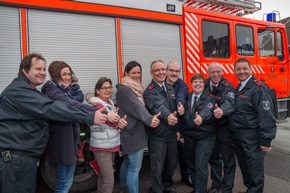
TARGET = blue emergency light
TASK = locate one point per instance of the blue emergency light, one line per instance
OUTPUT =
(271, 17)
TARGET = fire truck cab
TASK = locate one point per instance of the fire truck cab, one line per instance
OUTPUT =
(214, 31)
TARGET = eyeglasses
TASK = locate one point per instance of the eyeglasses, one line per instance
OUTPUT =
(107, 88)
(159, 70)
(176, 71)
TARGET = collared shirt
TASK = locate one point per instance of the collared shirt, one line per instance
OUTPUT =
(192, 99)
(161, 85)
(244, 83)
(212, 85)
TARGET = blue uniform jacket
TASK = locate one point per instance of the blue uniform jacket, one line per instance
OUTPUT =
(181, 90)
(156, 100)
(204, 106)
(254, 110)
(224, 95)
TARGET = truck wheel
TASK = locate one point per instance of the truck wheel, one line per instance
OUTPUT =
(85, 178)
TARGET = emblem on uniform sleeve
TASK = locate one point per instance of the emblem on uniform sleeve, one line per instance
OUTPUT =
(209, 105)
(266, 105)
(231, 95)
(150, 86)
(226, 83)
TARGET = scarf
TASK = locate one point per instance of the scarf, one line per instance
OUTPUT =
(65, 89)
(135, 86)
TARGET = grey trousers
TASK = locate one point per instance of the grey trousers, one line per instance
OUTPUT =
(106, 176)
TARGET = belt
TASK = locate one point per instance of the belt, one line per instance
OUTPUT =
(12, 152)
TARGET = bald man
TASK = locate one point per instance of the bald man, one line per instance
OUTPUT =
(222, 160)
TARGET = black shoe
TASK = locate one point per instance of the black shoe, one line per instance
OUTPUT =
(187, 181)
(214, 190)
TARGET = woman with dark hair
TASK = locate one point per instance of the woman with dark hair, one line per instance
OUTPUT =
(199, 132)
(64, 137)
(105, 139)
(129, 98)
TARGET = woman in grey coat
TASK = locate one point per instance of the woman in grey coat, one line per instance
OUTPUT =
(129, 98)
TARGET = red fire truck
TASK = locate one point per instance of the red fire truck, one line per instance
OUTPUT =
(99, 37)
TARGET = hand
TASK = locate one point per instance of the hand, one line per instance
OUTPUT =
(180, 108)
(113, 116)
(265, 149)
(172, 119)
(178, 136)
(181, 139)
(100, 118)
(122, 122)
(198, 119)
(155, 121)
(218, 112)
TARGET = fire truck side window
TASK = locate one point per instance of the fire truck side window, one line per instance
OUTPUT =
(280, 53)
(266, 42)
(244, 40)
(215, 39)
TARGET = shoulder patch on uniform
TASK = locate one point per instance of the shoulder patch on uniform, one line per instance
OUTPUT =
(258, 83)
(226, 83)
(231, 95)
(150, 86)
(209, 105)
(266, 105)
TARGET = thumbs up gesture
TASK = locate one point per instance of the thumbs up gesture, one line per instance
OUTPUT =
(122, 122)
(180, 108)
(198, 119)
(218, 112)
(113, 116)
(100, 118)
(155, 121)
(172, 119)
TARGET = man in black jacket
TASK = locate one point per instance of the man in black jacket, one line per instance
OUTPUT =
(24, 115)
(222, 160)
(252, 123)
(173, 72)
(160, 97)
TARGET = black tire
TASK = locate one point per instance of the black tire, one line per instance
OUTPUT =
(85, 178)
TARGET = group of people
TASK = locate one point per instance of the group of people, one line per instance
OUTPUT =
(210, 125)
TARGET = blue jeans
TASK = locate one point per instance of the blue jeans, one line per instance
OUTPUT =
(129, 171)
(65, 176)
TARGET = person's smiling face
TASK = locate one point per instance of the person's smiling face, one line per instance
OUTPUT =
(243, 71)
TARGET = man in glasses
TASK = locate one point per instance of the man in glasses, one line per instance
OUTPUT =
(181, 89)
(160, 97)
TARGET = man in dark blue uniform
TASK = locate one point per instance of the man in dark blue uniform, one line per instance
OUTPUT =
(181, 89)
(252, 123)
(222, 160)
(160, 97)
